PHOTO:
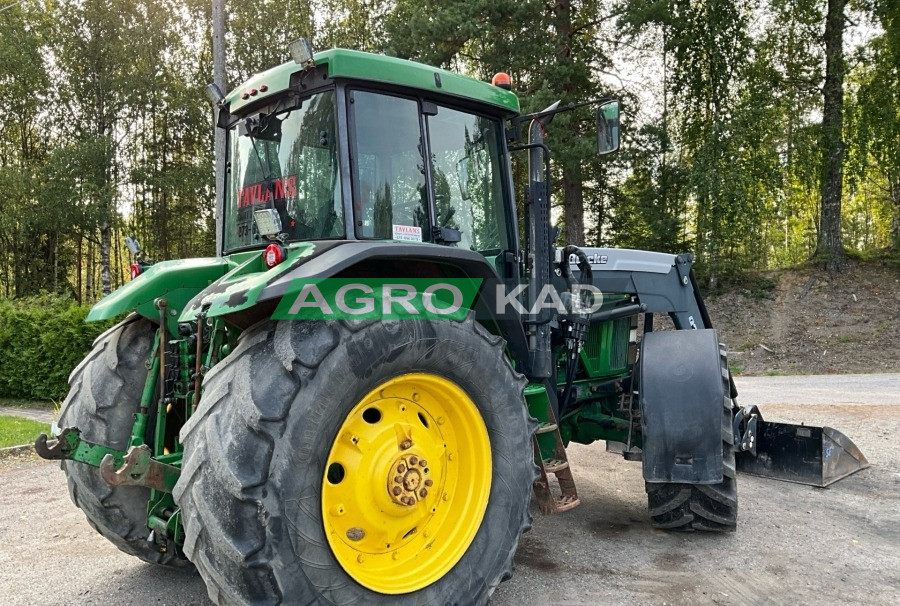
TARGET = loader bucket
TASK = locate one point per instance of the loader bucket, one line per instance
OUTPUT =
(817, 456)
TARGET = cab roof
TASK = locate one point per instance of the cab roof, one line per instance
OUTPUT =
(342, 63)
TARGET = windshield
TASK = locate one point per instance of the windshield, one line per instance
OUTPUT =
(288, 161)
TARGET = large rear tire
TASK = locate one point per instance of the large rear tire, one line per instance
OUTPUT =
(710, 507)
(104, 393)
(297, 465)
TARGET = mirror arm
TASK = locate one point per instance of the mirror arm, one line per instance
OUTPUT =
(558, 110)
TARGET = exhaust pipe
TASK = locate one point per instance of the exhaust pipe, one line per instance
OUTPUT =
(817, 456)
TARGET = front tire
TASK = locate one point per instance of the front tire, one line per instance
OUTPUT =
(289, 487)
(709, 507)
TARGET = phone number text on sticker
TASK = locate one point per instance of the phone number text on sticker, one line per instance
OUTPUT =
(407, 233)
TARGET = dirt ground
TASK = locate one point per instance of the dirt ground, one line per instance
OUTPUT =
(794, 545)
(801, 321)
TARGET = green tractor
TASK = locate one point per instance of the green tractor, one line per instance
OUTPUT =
(392, 461)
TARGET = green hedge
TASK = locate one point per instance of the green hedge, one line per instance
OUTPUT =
(41, 340)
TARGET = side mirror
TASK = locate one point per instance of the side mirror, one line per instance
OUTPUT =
(608, 128)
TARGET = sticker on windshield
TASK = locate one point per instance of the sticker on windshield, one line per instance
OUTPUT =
(258, 193)
(407, 233)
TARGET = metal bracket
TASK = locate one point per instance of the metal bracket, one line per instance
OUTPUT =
(69, 445)
(684, 270)
(745, 422)
(138, 468)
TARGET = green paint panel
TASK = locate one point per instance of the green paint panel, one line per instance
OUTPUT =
(378, 68)
(239, 289)
(178, 281)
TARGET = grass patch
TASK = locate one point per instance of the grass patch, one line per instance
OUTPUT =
(15, 430)
(736, 369)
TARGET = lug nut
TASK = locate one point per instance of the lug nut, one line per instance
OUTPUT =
(413, 460)
(428, 483)
(423, 493)
(406, 444)
(356, 534)
(401, 468)
(398, 479)
(423, 463)
(397, 490)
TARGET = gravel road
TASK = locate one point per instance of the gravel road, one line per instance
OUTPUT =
(794, 545)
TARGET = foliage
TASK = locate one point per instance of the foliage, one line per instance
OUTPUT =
(105, 130)
(41, 340)
(15, 431)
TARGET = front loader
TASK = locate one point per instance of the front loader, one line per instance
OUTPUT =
(366, 458)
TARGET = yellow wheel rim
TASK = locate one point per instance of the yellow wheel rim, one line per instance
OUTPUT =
(406, 484)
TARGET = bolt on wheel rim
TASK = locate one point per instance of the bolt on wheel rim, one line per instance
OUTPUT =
(406, 483)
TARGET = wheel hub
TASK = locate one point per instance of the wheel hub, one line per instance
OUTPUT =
(409, 481)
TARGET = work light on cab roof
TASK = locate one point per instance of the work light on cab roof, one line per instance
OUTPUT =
(302, 52)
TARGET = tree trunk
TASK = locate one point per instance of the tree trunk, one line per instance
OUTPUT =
(89, 273)
(79, 294)
(830, 246)
(573, 190)
(573, 205)
(895, 216)
(105, 233)
(55, 252)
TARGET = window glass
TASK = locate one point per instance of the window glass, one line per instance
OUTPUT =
(289, 162)
(391, 199)
(465, 170)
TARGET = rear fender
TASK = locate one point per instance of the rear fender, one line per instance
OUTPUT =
(681, 400)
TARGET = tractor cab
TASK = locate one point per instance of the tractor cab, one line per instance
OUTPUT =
(354, 148)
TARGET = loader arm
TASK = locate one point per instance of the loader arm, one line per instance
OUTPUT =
(665, 283)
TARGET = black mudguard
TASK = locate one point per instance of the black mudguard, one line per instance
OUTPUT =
(681, 399)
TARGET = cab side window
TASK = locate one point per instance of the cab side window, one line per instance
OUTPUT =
(391, 200)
